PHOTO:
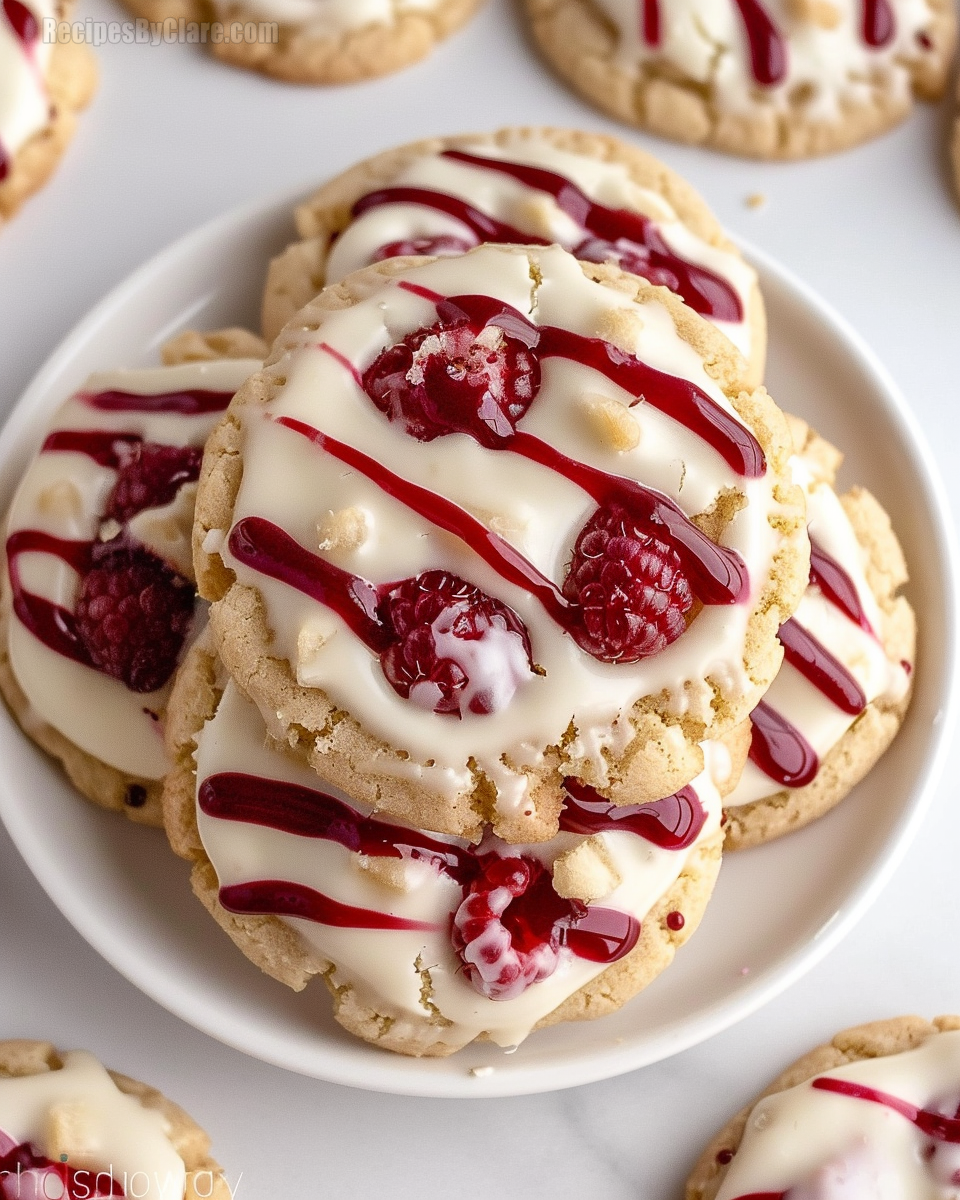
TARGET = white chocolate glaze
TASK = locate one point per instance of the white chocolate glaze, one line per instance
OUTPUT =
(114, 1132)
(818, 1145)
(24, 105)
(382, 964)
(294, 484)
(63, 493)
(331, 18)
(807, 709)
(828, 60)
(532, 211)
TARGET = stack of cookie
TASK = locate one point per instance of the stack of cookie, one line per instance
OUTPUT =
(505, 545)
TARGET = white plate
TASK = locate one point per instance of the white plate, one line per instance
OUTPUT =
(777, 910)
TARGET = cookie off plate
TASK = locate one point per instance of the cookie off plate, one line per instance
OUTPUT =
(777, 910)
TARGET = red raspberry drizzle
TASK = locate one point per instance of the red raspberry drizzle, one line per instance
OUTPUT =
(24, 24)
(650, 22)
(55, 626)
(827, 574)
(444, 246)
(673, 823)
(629, 239)
(935, 1125)
(815, 662)
(780, 750)
(879, 24)
(530, 926)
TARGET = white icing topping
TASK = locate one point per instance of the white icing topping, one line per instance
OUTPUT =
(116, 1132)
(63, 493)
(331, 18)
(538, 511)
(828, 60)
(824, 1146)
(534, 212)
(383, 963)
(807, 709)
(24, 105)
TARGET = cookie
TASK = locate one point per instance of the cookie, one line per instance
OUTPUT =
(319, 41)
(955, 145)
(68, 1126)
(418, 934)
(844, 687)
(44, 87)
(597, 196)
(764, 78)
(587, 589)
(874, 1113)
(98, 592)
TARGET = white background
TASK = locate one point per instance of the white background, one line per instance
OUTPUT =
(171, 140)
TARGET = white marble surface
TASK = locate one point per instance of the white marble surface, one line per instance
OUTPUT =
(171, 140)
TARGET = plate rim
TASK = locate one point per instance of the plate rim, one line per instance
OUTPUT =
(611, 1061)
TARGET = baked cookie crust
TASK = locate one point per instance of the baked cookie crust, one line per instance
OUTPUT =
(582, 45)
(652, 766)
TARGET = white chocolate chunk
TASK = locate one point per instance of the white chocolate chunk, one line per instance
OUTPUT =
(587, 872)
(611, 423)
(346, 529)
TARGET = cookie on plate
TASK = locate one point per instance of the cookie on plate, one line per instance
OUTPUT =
(98, 595)
(574, 565)
(844, 687)
(319, 41)
(425, 940)
(874, 1113)
(70, 1127)
(597, 196)
(765, 78)
(45, 85)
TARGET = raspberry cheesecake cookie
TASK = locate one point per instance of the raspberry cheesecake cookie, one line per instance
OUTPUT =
(426, 940)
(489, 522)
(322, 41)
(42, 88)
(844, 686)
(875, 1113)
(600, 198)
(99, 598)
(766, 78)
(70, 1128)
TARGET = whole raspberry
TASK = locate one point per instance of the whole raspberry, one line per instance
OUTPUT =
(455, 649)
(151, 476)
(455, 378)
(508, 930)
(445, 245)
(133, 614)
(630, 586)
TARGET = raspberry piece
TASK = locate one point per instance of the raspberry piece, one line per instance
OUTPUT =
(455, 649)
(445, 245)
(455, 378)
(508, 929)
(630, 586)
(150, 477)
(133, 614)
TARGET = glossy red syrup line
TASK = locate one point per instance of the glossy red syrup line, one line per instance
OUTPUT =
(265, 547)
(48, 622)
(768, 50)
(780, 750)
(762, 1196)
(838, 587)
(677, 398)
(815, 662)
(77, 1181)
(483, 227)
(935, 1125)
(672, 824)
(650, 22)
(193, 403)
(4, 163)
(291, 808)
(493, 549)
(601, 935)
(629, 237)
(278, 897)
(24, 24)
(102, 445)
(879, 24)
(343, 361)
